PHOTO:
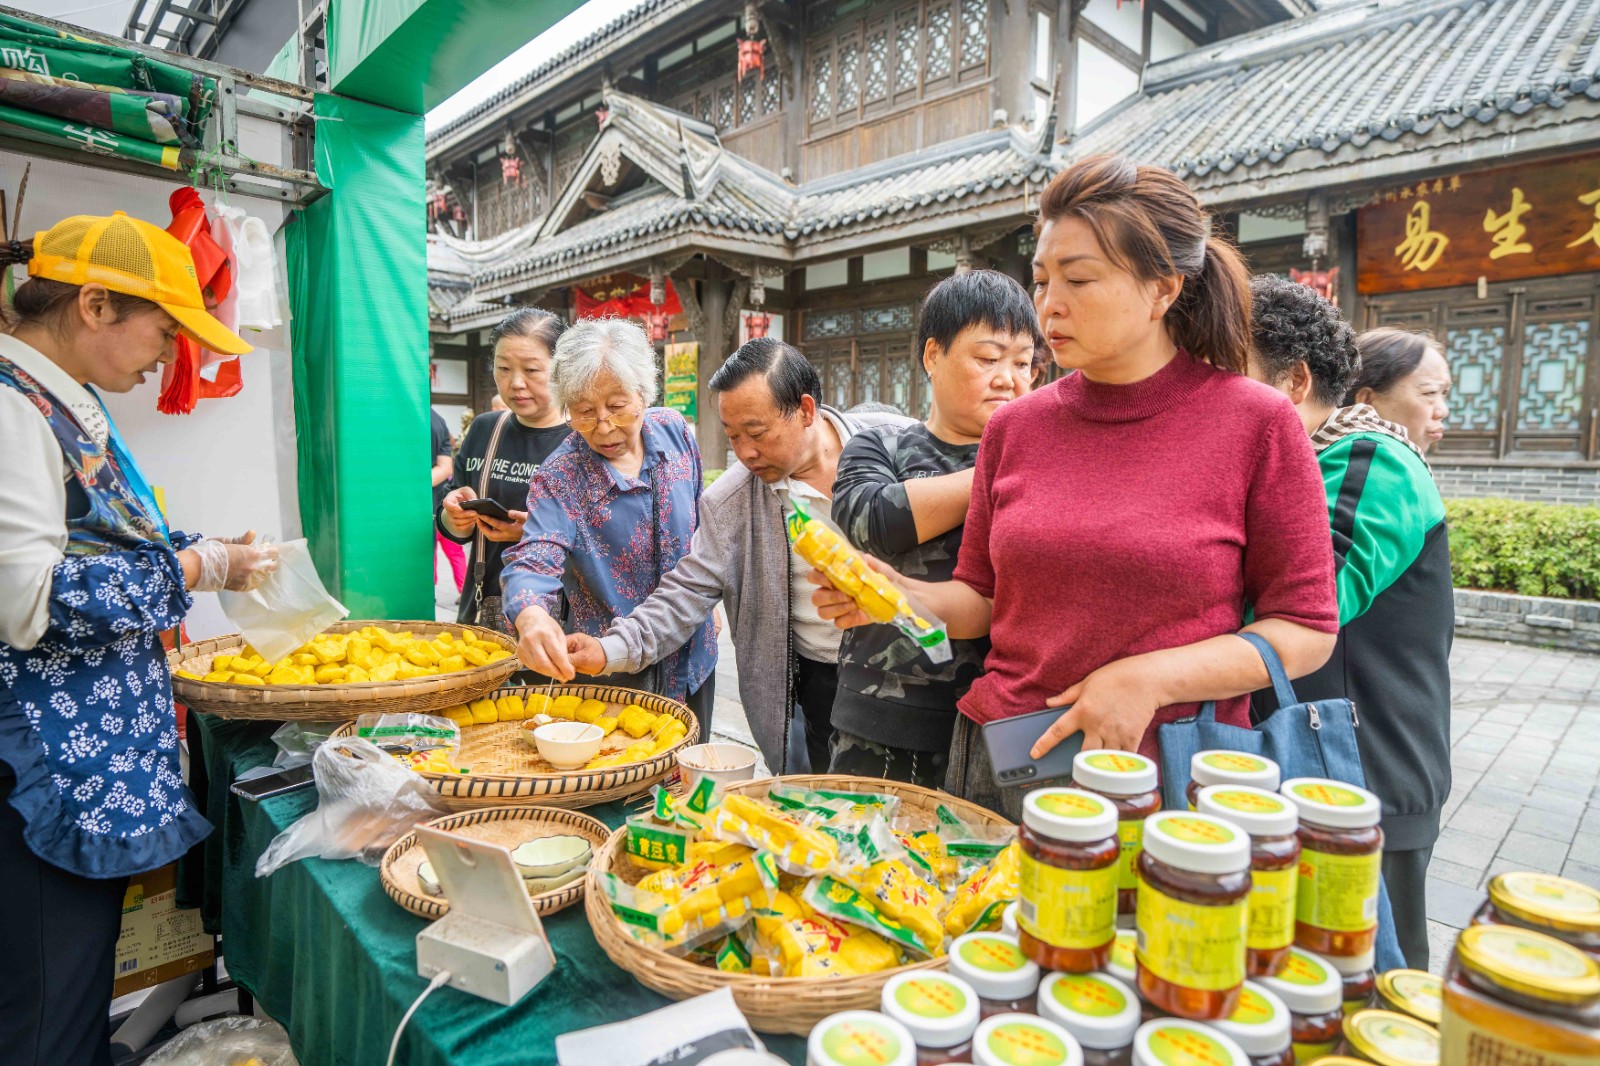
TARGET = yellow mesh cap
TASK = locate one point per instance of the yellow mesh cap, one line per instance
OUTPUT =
(130, 256)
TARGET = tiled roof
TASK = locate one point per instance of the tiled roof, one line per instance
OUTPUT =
(1352, 74)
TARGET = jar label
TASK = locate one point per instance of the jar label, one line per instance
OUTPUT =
(1271, 905)
(1463, 1040)
(1068, 805)
(1237, 799)
(1067, 908)
(929, 997)
(1132, 836)
(1253, 1009)
(1338, 892)
(1180, 1046)
(1191, 945)
(991, 954)
(861, 1043)
(1117, 762)
(1236, 762)
(1022, 1044)
(1084, 993)
(1328, 794)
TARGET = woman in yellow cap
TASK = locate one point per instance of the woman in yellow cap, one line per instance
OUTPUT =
(90, 577)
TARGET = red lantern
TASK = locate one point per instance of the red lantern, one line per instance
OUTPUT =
(602, 114)
(1324, 283)
(458, 214)
(752, 56)
(510, 170)
(756, 324)
(659, 322)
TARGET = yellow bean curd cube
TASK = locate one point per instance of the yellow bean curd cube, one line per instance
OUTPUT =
(222, 662)
(484, 711)
(589, 711)
(385, 672)
(607, 725)
(601, 762)
(382, 638)
(635, 721)
(328, 649)
(190, 675)
(247, 679)
(357, 650)
(420, 655)
(511, 707)
(327, 673)
(537, 703)
(498, 654)
(451, 663)
(639, 751)
(565, 707)
(475, 656)
(217, 676)
(444, 638)
(262, 668)
(356, 675)
(405, 671)
(303, 658)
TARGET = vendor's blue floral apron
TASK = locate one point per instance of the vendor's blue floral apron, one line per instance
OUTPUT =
(86, 718)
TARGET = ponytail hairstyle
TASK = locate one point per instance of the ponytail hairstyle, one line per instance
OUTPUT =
(1150, 224)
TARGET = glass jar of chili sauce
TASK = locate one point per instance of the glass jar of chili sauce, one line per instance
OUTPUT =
(1357, 979)
(1130, 781)
(1218, 767)
(1271, 822)
(1067, 880)
(1544, 903)
(1341, 852)
(1310, 988)
(1193, 920)
(1516, 996)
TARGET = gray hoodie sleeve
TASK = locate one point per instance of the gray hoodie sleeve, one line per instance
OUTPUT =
(687, 595)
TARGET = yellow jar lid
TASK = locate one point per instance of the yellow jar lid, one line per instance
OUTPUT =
(1413, 992)
(1546, 900)
(1337, 1060)
(1529, 963)
(1389, 1038)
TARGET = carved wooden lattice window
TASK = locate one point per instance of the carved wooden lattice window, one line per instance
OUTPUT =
(705, 104)
(769, 92)
(747, 100)
(974, 32)
(906, 58)
(725, 107)
(938, 36)
(877, 77)
(849, 74)
(821, 87)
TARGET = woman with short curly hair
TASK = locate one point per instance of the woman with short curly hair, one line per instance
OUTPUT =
(1396, 607)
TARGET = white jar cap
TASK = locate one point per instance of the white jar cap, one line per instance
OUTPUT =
(1101, 1011)
(1306, 984)
(1120, 963)
(1333, 803)
(847, 1037)
(1165, 1041)
(994, 966)
(1196, 842)
(1255, 810)
(1018, 1039)
(1069, 814)
(1260, 1024)
(1220, 767)
(1349, 965)
(1008, 919)
(1114, 773)
(939, 1010)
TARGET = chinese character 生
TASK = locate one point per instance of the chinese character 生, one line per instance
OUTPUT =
(1507, 228)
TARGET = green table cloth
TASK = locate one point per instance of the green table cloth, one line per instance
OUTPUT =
(327, 953)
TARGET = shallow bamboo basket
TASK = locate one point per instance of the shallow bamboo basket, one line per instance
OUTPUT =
(506, 826)
(331, 703)
(772, 1004)
(506, 768)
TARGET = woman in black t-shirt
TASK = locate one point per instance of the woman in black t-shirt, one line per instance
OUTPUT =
(527, 432)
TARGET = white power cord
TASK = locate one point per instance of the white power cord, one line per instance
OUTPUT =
(440, 978)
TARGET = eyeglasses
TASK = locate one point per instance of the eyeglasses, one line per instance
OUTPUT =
(618, 419)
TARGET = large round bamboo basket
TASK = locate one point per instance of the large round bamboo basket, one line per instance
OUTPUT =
(509, 826)
(498, 757)
(331, 703)
(772, 1004)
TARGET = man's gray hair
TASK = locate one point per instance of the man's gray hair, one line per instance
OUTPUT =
(597, 344)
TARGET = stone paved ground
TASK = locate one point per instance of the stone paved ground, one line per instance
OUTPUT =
(1526, 754)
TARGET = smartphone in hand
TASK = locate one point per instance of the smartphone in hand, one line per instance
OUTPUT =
(487, 507)
(1010, 740)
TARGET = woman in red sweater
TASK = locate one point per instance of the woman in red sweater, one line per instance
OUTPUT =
(1129, 518)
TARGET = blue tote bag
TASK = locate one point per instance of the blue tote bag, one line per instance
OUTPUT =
(1304, 739)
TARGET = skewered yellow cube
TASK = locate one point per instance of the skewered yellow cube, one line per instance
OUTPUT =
(484, 711)
(511, 707)
(589, 711)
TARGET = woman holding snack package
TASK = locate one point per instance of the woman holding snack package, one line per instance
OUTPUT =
(90, 576)
(1157, 494)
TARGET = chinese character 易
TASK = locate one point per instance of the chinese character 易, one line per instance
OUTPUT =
(1423, 246)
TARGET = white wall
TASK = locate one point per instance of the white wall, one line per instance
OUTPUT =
(230, 465)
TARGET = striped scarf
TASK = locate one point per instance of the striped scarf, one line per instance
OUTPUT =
(1359, 418)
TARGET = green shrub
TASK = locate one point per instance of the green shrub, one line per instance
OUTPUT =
(710, 476)
(1535, 549)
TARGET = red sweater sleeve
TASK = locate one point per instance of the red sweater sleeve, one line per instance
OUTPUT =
(1288, 562)
(975, 565)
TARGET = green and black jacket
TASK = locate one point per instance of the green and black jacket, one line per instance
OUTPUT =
(1397, 618)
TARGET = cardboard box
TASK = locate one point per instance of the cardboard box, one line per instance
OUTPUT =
(158, 941)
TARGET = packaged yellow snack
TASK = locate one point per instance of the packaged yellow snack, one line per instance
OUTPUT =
(797, 848)
(819, 946)
(899, 894)
(656, 846)
(826, 550)
(978, 904)
(680, 909)
(837, 900)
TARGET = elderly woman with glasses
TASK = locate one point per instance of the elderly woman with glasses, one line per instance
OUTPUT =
(610, 511)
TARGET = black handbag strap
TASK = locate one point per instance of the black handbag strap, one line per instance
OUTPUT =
(1281, 687)
(480, 545)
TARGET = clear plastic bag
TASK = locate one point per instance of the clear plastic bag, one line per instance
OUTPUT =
(289, 608)
(366, 802)
(231, 1041)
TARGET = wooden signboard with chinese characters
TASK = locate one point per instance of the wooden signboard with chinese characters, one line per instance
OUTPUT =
(682, 378)
(1519, 222)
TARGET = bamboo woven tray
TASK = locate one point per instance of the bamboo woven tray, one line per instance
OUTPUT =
(772, 1004)
(505, 768)
(509, 826)
(331, 703)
